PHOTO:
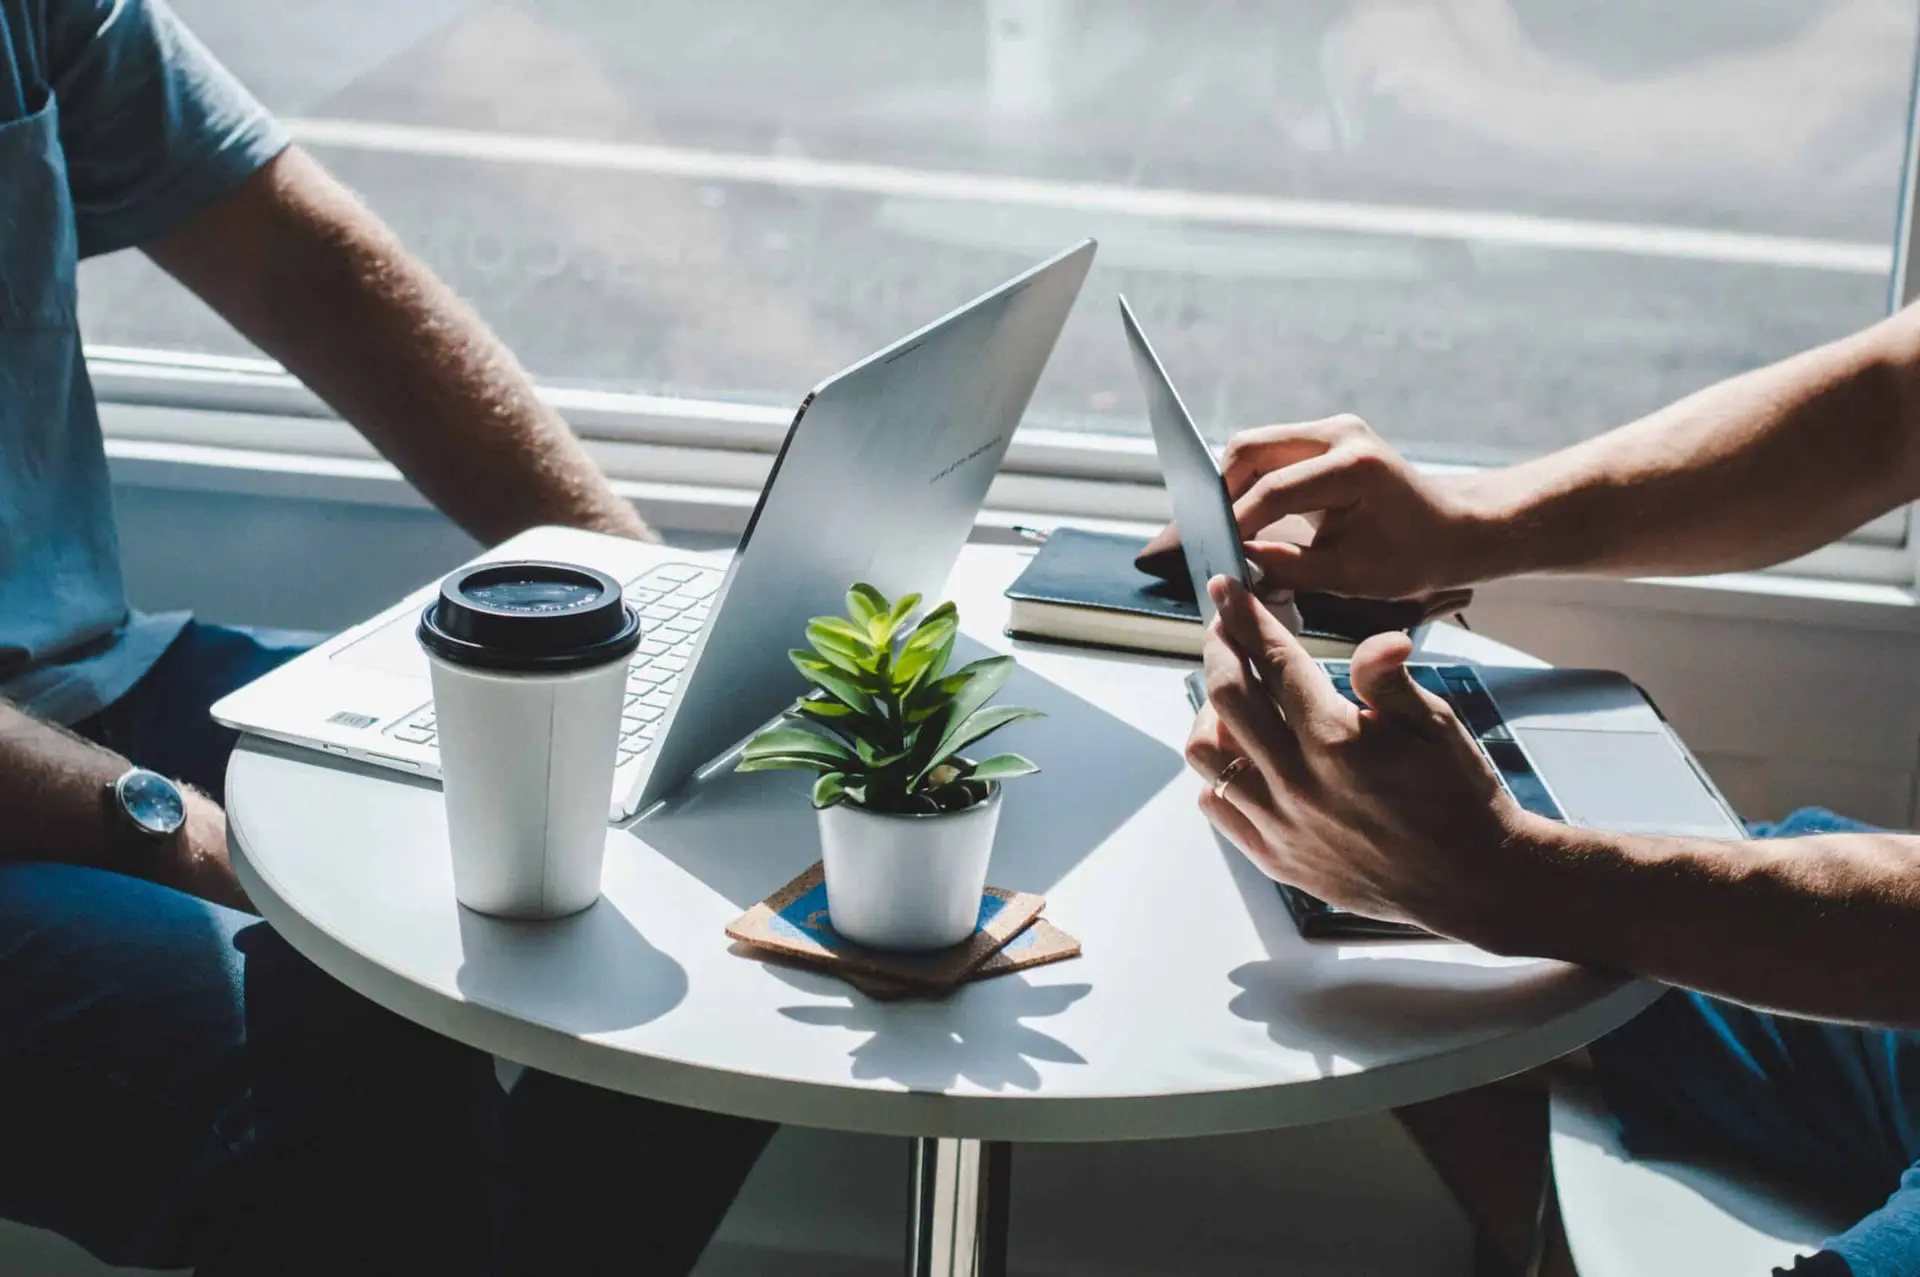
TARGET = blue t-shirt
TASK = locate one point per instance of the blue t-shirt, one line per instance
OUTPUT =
(116, 125)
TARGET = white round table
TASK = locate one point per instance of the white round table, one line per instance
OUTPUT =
(1196, 1008)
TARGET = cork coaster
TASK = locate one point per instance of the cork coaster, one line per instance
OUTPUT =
(1040, 944)
(793, 923)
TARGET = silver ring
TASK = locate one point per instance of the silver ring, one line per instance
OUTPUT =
(1228, 773)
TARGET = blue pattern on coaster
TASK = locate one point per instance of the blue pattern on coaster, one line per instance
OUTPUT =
(1020, 943)
(806, 918)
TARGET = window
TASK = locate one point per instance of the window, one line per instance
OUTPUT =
(1489, 226)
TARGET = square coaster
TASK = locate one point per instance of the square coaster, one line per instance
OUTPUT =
(793, 922)
(1040, 944)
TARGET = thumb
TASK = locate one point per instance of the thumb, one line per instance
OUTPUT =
(1382, 681)
(1164, 556)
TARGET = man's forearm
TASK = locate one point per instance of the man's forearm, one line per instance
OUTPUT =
(302, 268)
(1825, 926)
(51, 787)
(1750, 472)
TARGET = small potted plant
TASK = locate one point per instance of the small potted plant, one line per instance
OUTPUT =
(906, 819)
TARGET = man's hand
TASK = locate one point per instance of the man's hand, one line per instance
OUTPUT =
(197, 862)
(1382, 530)
(1389, 811)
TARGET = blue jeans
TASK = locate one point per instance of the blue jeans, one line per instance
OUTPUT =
(178, 1087)
(1832, 1108)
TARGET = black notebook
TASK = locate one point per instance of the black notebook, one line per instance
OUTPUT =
(1082, 587)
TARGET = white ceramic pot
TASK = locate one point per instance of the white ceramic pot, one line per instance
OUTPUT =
(907, 882)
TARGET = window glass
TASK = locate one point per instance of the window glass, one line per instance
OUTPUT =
(1489, 226)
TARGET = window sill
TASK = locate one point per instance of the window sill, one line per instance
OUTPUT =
(1016, 501)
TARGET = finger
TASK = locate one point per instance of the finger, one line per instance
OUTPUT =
(1163, 556)
(1250, 455)
(1253, 453)
(1381, 679)
(1286, 566)
(1239, 830)
(1292, 677)
(1210, 746)
(1326, 482)
(1444, 602)
(1245, 709)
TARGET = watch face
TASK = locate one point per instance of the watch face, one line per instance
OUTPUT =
(153, 802)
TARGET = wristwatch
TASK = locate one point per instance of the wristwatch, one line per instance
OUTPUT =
(145, 812)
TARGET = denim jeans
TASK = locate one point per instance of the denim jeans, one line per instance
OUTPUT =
(1833, 1108)
(178, 1087)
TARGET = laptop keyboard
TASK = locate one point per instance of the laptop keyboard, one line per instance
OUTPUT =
(1460, 687)
(673, 601)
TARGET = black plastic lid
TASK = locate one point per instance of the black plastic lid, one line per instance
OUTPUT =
(527, 616)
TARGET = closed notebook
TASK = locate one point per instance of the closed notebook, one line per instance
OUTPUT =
(1082, 587)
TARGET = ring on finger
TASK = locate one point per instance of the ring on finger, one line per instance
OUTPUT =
(1229, 774)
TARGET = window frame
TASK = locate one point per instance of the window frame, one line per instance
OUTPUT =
(723, 449)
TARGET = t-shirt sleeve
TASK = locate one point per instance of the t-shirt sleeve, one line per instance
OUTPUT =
(153, 127)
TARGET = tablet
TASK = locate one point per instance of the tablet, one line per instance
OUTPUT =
(1201, 507)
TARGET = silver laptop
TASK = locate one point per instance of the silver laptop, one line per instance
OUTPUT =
(1584, 746)
(879, 479)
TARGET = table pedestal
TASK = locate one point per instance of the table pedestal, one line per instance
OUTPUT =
(959, 1194)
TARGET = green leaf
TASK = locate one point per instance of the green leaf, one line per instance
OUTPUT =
(833, 681)
(859, 664)
(1001, 767)
(845, 723)
(784, 763)
(901, 611)
(864, 603)
(847, 635)
(923, 657)
(875, 760)
(972, 728)
(922, 666)
(829, 789)
(796, 741)
(974, 685)
(946, 704)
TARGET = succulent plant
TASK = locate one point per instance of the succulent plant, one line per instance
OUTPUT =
(885, 723)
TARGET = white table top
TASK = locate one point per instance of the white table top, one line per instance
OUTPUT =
(1196, 1009)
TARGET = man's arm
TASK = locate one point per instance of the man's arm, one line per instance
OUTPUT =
(312, 277)
(1757, 469)
(1391, 811)
(1826, 926)
(53, 789)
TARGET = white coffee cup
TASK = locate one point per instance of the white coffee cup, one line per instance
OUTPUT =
(529, 664)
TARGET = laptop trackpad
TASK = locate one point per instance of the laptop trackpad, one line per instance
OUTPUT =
(391, 649)
(1627, 782)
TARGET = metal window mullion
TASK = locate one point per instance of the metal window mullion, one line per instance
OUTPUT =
(1904, 283)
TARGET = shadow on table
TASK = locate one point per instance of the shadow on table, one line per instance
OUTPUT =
(1338, 999)
(591, 973)
(977, 1036)
(746, 836)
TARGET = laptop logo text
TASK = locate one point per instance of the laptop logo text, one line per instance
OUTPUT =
(981, 451)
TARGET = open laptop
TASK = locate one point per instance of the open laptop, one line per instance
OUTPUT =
(879, 479)
(1583, 746)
